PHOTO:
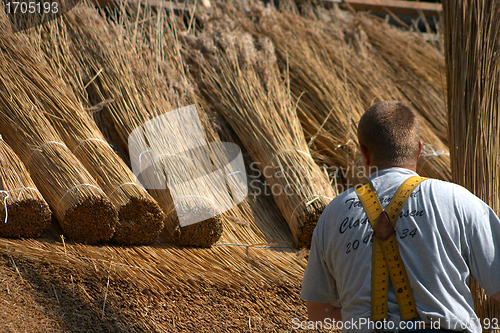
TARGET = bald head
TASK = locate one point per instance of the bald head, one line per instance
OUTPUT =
(389, 131)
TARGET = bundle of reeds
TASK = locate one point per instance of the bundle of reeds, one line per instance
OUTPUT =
(82, 209)
(472, 45)
(140, 217)
(24, 212)
(329, 106)
(254, 221)
(416, 77)
(246, 87)
(109, 69)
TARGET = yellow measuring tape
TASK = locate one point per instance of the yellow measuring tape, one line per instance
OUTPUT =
(386, 260)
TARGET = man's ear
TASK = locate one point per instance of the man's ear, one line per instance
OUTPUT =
(366, 155)
(420, 145)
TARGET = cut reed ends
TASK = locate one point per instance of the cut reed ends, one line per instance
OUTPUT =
(201, 234)
(81, 207)
(27, 215)
(140, 217)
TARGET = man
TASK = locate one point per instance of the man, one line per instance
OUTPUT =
(445, 234)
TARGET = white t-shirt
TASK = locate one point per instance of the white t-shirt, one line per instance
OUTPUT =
(444, 234)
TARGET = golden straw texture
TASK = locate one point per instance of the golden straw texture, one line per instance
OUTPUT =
(256, 220)
(112, 71)
(244, 84)
(337, 72)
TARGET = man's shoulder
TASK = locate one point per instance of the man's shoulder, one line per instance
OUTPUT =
(444, 188)
(452, 197)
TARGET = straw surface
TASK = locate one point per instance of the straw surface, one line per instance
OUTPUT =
(255, 220)
(27, 214)
(338, 73)
(472, 42)
(111, 70)
(259, 255)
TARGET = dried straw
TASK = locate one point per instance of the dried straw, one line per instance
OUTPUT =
(245, 86)
(253, 221)
(24, 212)
(140, 217)
(472, 45)
(82, 209)
(111, 70)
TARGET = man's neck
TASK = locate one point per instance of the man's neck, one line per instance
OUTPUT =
(382, 166)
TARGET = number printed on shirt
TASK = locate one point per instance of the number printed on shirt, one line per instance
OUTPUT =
(352, 246)
(411, 233)
(368, 239)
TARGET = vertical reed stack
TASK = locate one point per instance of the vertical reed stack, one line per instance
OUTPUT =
(472, 45)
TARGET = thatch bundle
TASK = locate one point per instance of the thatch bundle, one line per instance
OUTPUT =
(23, 211)
(245, 85)
(473, 71)
(111, 72)
(83, 210)
(418, 72)
(140, 217)
(329, 101)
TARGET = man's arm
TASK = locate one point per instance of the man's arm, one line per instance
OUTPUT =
(320, 311)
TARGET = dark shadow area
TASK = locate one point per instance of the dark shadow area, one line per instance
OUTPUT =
(74, 299)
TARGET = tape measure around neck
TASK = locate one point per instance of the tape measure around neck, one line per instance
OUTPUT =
(386, 259)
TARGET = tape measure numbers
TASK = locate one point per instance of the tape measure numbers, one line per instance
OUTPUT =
(386, 260)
